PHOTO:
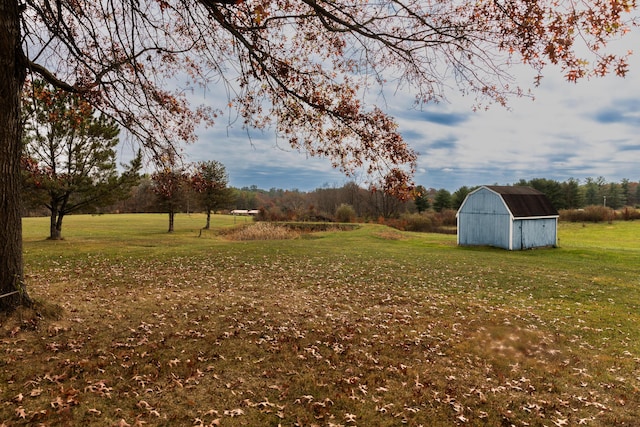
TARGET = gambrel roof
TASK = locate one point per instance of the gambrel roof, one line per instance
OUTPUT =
(524, 201)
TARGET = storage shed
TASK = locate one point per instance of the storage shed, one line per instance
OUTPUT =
(512, 218)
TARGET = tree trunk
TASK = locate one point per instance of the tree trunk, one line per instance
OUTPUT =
(208, 226)
(53, 215)
(59, 224)
(12, 75)
(171, 216)
(55, 224)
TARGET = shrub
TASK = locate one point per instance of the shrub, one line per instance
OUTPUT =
(271, 213)
(629, 213)
(345, 213)
(593, 213)
(448, 217)
(426, 222)
(416, 222)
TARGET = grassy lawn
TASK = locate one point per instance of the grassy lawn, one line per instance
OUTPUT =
(369, 327)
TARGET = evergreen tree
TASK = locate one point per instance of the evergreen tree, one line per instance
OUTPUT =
(625, 192)
(442, 200)
(614, 196)
(69, 161)
(591, 196)
(552, 189)
(571, 192)
(421, 199)
(458, 197)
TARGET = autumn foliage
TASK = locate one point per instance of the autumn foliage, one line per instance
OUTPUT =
(168, 184)
(311, 71)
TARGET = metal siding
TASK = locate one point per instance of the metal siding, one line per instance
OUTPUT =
(517, 235)
(535, 233)
(484, 219)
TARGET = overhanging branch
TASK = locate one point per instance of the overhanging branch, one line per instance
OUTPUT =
(49, 76)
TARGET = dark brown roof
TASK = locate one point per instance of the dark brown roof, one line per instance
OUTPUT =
(525, 201)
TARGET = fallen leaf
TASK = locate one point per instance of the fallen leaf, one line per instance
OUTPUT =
(234, 412)
(20, 412)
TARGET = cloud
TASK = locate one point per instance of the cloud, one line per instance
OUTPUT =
(434, 114)
(411, 135)
(629, 147)
(295, 177)
(625, 111)
(448, 143)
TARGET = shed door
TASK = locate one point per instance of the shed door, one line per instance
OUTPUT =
(524, 234)
(516, 244)
(537, 233)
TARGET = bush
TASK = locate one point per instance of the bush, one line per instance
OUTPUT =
(593, 213)
(448, 217)
(426, 222)
(416, 222)
(629, 213)
(345, 213)
(272, 213)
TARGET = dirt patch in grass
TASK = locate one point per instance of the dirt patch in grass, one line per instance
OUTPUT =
(29, 318)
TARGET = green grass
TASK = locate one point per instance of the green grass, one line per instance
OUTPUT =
(364, 327)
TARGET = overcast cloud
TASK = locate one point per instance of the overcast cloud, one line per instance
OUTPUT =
(588, 129)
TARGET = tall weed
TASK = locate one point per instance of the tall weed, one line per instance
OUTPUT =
(262, 231)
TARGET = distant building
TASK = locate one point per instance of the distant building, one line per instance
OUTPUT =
(512, 218)
(245, 212)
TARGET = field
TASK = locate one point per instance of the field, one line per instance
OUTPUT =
(368, 327)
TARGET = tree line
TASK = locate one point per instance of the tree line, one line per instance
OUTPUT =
(370, 204)
(203, 188)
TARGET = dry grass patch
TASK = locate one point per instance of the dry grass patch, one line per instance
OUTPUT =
(262, 231)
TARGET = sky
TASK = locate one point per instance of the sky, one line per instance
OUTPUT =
(588, 129)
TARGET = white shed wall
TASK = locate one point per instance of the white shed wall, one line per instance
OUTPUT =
(483, 219)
